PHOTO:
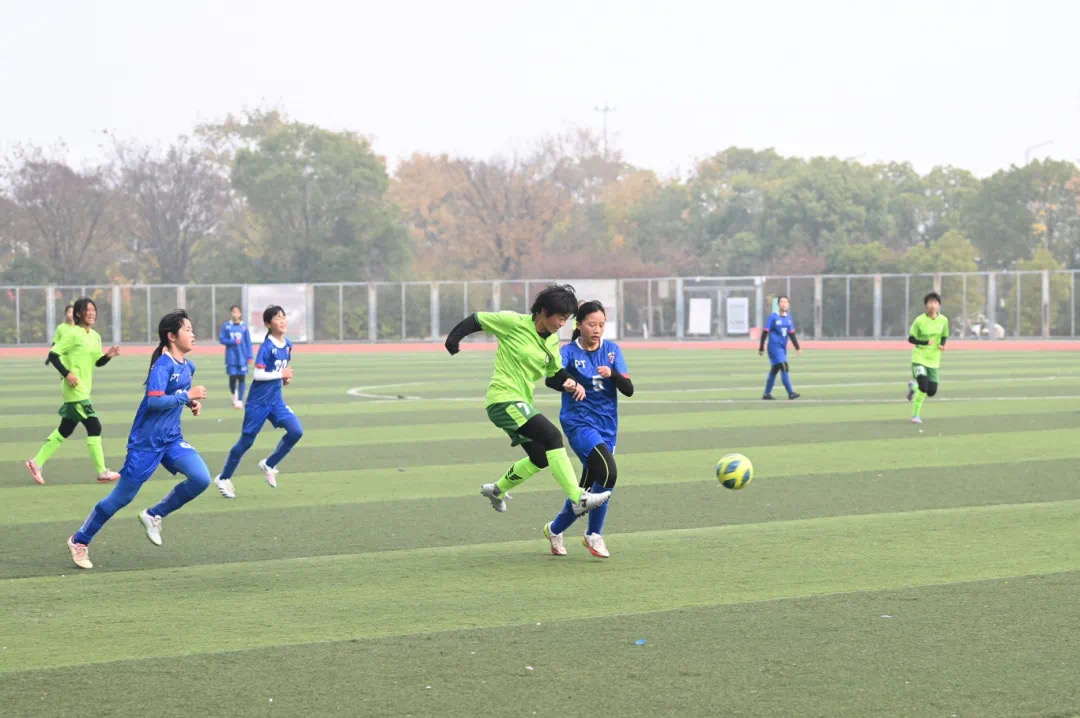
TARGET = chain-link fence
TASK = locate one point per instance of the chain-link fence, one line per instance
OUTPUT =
(992, 305)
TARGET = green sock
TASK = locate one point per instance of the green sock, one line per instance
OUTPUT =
(96, 454)
(916, 402)
(48, 448)
(564, 473)
(517, 474)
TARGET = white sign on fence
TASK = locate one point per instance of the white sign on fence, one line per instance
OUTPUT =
(700, 321)
(738, 315)
(605, 291)
(290, 297)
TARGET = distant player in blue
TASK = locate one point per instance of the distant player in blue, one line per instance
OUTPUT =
(155, 439)
(236, 339)
(592, 424)
(272, 372)
(777, 330)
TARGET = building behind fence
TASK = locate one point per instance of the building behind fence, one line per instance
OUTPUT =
(986, 305)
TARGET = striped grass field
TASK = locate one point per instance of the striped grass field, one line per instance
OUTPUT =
(873, 567)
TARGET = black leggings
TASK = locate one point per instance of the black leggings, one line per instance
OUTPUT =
(543, 437)
(926, 386)
(67, 426)
(599, 469)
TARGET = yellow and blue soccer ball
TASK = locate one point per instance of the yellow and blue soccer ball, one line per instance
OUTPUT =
(734, 471)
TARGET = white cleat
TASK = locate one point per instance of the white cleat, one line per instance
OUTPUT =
(152, 524)
(35, 471)
(107, 476)
(910, 390)
(916, 420)
(225, 486)
(80, 553)
(270, 473)
(590, 501)
(497, 498)
(595, 544)
(557, 547)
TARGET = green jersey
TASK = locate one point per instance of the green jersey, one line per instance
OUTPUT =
(932, 330)
(61, 330)
(79, 350)
(523, 356)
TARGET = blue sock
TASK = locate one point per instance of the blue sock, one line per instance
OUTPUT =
(769, 383)
(786, 378)
(198, 478)
(118, 498)
(236, 453)
(565, 518)
(597, 515)
(241, 384)
(293, 432)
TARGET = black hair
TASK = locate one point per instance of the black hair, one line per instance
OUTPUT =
(782, 296)
(235, 306)
(171, 323)
(270, 312)
(932, 295)
(588, 308)
(556, 299)
(78, 309)
(70, 306)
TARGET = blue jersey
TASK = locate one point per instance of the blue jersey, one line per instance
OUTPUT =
(271, 357)
(600, 407)
(157, 421)
(779, 328)
(237, 341)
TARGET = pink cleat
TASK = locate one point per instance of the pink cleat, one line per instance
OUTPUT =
(35, 471)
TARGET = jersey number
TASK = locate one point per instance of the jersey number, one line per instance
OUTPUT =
(280, 364)
(598, 383)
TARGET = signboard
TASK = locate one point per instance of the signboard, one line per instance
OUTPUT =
(605, 291)
(291, 297)
(700, 321)
(738, 315)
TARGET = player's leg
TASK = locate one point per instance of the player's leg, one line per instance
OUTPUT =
(241, 387)
(922, 382)
(97, 453)
(137, 468)
(232, 384)
(541, 431)
(52, 443)
(254, 418)
(582, 440)
(282, 417)
(785, 376)
(179, 458)
(603, 475)
(770, 382)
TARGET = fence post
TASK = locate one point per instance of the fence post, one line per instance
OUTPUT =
(680, 310)
(372, 312)
(1072, 304)
(434, 287)
(759, 301)
(117, 316)
(309, 307)
(937, 282)
(847, 306)
(18, 323)
(404, 317)
(341, 312)
(181, 296)
(963, 299)
(50, 311)
(817, 307)
(1046, 303)
(496, 295)
(877, 306)
(1019, 303)
(149, 321)
(991, 304)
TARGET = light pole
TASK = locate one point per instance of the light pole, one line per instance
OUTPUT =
(604, 111)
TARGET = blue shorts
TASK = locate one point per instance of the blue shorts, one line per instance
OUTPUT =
(256, 416)
(777, 357)
(140, 465)
(583, 439)
(236, 369)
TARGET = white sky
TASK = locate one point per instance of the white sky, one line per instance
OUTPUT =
(934, 82)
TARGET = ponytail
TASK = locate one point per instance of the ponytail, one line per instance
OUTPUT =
(171, 323)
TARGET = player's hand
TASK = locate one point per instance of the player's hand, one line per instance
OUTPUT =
(452, 347)
(72, 380)
(239, 341)
(286, 374)
(196, 392)
(574, 389)
(604, 372)
(286, 382)
(113, 351)
(195, 407)
(761, 352)
(798, 352)
(941, 348)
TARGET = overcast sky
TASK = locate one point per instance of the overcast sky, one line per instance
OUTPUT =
(973, 84)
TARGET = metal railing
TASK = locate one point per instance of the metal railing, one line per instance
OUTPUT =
(991, 305)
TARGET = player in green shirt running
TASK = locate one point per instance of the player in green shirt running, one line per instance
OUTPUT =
(929, 332)
(528, 351)
(75, 355)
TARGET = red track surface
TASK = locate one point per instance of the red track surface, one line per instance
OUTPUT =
(894, 345)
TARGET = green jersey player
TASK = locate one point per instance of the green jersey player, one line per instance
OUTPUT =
(929, 333)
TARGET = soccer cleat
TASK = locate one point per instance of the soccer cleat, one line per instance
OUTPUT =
(152, 524)
(557, 547)
(596, 546)
(768, 397)
(107, 476)
(80, 553)
(497, 498)
(35, 471)
(910, 390)
(794, 395)
(916, 420)
(590, 501)
(225, 486)
(270, 473)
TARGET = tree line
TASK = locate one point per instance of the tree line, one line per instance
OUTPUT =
(261, 197)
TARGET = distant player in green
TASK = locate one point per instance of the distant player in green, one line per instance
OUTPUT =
(529, 351)
(63, 327)
(75, 356)
(929, 332)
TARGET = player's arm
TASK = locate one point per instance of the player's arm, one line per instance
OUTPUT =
(944, 336)
(913, 335)
(156, 383)
(761, 341)
(794, 340)
(620, 375)
(468, 325)
(54, 359)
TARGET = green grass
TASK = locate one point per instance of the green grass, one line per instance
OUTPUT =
(873, 567)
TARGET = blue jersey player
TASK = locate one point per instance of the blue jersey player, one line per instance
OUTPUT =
(592, 424)
(155, 439)
(272, 372)
(778, 329)
(236, 339)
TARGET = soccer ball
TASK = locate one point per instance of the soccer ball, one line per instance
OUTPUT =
(734, 471)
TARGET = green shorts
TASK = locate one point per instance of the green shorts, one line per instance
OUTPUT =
(511, 416)
(931, 373)
(77, 411)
